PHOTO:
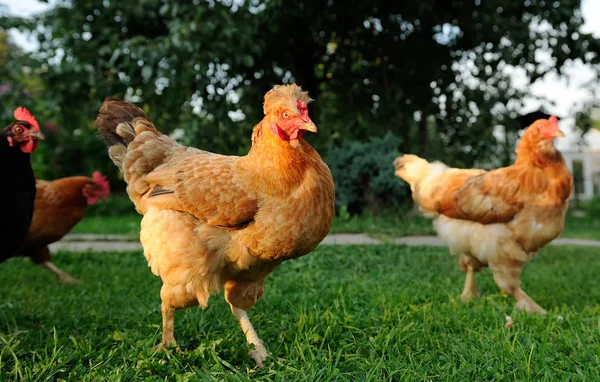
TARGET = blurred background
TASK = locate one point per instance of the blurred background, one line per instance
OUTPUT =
(454, 80)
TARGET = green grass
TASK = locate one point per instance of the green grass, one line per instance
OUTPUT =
(382, 227)
(387, 226)
(390, 226)
(125, 224)
(586, 227)
(343, 313)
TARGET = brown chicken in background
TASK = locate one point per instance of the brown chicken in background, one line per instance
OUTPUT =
(59, 205)
(215, 222)
(499, 218)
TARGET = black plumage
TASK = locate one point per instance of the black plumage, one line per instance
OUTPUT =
(17, 193)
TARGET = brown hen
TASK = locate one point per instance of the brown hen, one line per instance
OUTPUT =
(500, 218)
(215, 222)
(59, 205)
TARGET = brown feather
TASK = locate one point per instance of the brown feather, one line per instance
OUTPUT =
(112, 113)
(211, 219)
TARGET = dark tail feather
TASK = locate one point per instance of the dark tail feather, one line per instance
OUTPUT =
(112, 113)
(117, 122)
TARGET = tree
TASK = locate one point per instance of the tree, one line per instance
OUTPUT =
(434, 72)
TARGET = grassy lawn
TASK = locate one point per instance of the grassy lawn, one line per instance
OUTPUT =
(381, 227)
(343, 313)
(387, 226)
(391, 226)
(125, 224)
(384, 226)
(587, 227)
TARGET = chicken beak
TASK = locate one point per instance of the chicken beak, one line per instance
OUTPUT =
(559, 134)
(309, 126)
(36, 134)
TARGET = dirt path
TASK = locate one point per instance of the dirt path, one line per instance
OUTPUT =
(121, 243)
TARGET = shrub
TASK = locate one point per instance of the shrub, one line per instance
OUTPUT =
(364, 175)
(117, 204)
(593, 207)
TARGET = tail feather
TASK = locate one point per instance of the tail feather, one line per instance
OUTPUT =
(113, 113)
(413, 169)
(135, 146)
(126, 131)
(422, 176)
(117, 155)
(119, 122)
(431, 183)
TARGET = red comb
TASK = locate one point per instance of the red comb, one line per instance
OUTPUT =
(102, 182)
(302, 107)
(553, 120)
(22, 114)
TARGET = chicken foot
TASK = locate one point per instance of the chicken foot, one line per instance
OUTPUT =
(168, 329)
(63, 277)
(507, 279)
(524, 302)
(259, 353)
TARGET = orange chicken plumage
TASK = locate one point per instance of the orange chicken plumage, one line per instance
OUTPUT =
(59, 205)
(215, 222)
(500, 218)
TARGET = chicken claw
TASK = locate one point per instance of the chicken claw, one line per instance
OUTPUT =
(163, 347)
(530, 306)
(63, 277)
(66, 279)
(468, 295)
(259, 355)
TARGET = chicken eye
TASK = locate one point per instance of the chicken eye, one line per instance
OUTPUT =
(17, 129)
(286, 115)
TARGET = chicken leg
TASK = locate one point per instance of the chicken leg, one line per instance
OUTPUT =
(168, 329)
(470, 266)
(242, 294)
(470, 290)
(170, 302)
(259, 353)
(63, 277)
(507, 279)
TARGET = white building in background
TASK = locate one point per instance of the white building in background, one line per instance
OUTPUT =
(584, 162)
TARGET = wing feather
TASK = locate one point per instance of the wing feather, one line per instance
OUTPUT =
(492, 197)
(206, 186)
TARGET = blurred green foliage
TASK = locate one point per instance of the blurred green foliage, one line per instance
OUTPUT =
(118, 204)
(433, 73)
(364, 175)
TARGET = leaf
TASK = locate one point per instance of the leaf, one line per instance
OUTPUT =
(316, 337)
(118, 336)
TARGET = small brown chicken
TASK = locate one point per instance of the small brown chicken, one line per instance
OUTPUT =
(215, 222)
(59, 205)
(499, 218)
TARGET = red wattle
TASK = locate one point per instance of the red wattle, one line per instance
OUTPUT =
(297, 134)
(277, 130)
(28, 146)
